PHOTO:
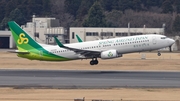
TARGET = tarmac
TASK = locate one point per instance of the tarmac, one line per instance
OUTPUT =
(88, 79)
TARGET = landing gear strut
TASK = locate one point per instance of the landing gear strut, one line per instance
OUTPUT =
(159, 54)
(94, 61)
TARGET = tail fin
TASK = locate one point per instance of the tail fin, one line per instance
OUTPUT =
(78, 38)
(23, 41)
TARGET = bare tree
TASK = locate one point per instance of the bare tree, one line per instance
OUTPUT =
(150, 19)
(58, 11)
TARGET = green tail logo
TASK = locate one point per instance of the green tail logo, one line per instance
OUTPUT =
(22, 39)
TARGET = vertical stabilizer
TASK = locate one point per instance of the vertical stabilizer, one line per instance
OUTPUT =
(23, 41)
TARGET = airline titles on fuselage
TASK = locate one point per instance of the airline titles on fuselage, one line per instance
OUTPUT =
(127, 40)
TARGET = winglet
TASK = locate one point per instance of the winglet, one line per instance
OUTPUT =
(78, 38)
(58, 42)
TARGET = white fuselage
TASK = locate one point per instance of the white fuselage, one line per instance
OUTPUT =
(123, 45)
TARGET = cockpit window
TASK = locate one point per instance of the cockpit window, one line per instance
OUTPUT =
(163, 37)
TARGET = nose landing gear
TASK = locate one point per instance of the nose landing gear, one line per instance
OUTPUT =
(159, 53)
(170, 48)
(94, 62)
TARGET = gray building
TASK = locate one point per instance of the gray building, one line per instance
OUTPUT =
(41, 29)
(6, 40)
(90, 33)
(44, 29)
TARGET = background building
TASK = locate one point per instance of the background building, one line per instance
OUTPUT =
(6, 40)
(44, 29)
(89, 33)
(40, 29)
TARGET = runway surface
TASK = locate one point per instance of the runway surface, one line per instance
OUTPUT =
(88, 79)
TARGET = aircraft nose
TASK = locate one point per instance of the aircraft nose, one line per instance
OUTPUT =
(171, 41)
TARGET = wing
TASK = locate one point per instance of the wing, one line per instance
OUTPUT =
(86, 53)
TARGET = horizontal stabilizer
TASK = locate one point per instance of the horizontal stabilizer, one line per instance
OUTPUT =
(19, 52)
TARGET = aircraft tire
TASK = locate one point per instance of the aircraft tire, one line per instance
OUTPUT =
(96, 62)
(91, 62)
(159, 54)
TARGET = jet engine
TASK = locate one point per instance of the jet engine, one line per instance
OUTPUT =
(109, 54)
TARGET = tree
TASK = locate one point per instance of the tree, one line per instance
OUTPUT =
(46, 7)
(58, 12)
(15, 15)
(152, 3)
(137, 5)
(167, 6)
(9, 7)
(176, 24)
(84, 8)
(2, 10)
(96, 18)
(113, 18)
(108, 4)
(177, 6)
(125, 4)
(150, 19)
(71, 6)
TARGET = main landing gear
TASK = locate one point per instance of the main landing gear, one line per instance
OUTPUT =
(94, 61)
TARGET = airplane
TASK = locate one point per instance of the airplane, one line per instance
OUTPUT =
(80, 40)
(104, 49)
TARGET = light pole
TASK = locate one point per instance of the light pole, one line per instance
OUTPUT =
(34, 27)
(129, 29)
(164, 25)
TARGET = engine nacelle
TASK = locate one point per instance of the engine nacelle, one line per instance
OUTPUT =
(109, 54)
